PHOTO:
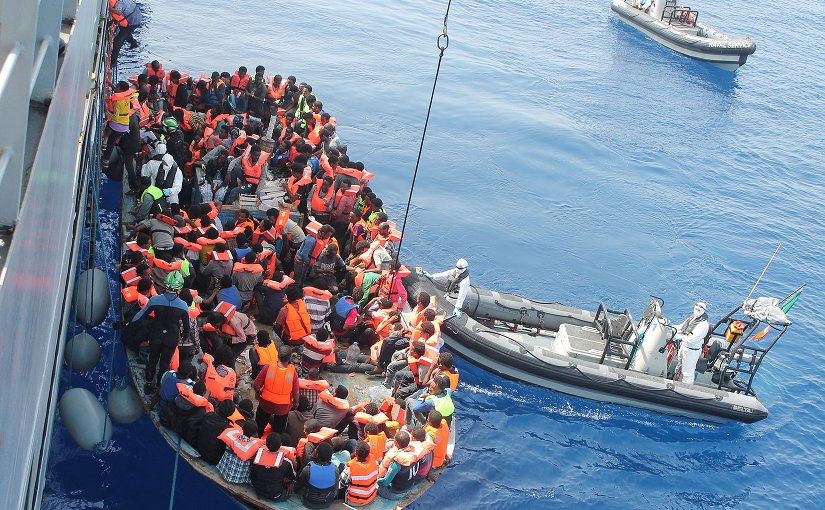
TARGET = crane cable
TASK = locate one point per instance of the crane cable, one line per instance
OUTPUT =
(442, 42)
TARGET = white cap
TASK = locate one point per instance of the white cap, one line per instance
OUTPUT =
(461, 264)
(702, 305)
(160, 148)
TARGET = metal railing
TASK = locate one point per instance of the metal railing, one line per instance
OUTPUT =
(37, 283)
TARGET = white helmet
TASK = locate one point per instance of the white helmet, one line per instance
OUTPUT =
(461, 264)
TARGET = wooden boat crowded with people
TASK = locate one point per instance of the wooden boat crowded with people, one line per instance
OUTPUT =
(608, 356)
(362, 389)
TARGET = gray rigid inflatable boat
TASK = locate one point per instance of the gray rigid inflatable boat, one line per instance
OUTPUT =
(678, 28)
(602, 355)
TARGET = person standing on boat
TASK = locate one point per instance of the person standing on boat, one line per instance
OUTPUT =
(168, 318)
(691, 334)
(458, 284)
(127, 16)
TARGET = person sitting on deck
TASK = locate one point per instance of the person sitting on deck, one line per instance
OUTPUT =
(333, 410)
(327, 269)
(377, 439)
(398, 467)
(318, 349)
(319, 479)
(438, 432)
(297, 419)
(211, 426)
(272, 473)
(241, 448)
(418, 434)
(246, 276)
(438, 397)
(316, 299)
(219, 376)
(264, 353)
(312, 385)
(293, 321)
(361, 477)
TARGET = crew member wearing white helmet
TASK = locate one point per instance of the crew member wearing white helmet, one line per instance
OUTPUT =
(691, 333)
(458, 284)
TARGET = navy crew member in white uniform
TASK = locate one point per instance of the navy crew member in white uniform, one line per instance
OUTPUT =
(458, 284)
(692, 334)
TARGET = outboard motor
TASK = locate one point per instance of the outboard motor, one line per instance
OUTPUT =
(654, 334)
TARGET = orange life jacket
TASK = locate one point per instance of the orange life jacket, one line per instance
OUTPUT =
(363, 487)
(278, 382)
(240, 267)
(297, 321)
(239, 83)
(321, 204)
(252, 171)
(393, 410)
(189, 245)
(441, 438)
(267, 355)
(130, 276)
(293, 184)
(193, 398)
(221, 255)
(117, 18)
(286, 282)
(364, 418)
(221, 386)
(160, 73)
(337, 403)
(319, 437)
(308, 384)
(269, 459)
(131, 294)
(168, 266)
(378, 445)
(244, 449)
(318, 352)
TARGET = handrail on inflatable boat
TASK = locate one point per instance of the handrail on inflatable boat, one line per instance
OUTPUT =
(628, 335)
(739, 357)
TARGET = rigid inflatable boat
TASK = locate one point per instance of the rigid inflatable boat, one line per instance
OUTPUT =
(678, 28)
(606, 355)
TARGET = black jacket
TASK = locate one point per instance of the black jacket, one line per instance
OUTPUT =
(209, 446)
(269, 482)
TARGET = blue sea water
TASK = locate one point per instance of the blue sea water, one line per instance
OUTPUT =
(568, 158)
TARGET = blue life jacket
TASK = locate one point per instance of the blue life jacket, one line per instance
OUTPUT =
(321, 488)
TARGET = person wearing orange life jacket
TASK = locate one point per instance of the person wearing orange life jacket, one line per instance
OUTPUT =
(219, 377)
(155, 68)
(293, 320)
(127, 17)
(317, 302)
(322, 196)
(277, 388)
(241, 448)
(136, 297)
(438, 432)
(318, 349)
(264, 353)
(312, 386)
(309, 251)
(361, 477)
(399, 467)
(249, 173)
(246, 276)
(238, 85)
(272, 471)
(176, 95)
(333, 410)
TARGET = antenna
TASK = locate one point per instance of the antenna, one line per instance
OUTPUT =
(763, 271)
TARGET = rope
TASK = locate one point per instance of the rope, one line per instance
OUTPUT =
(175, 475)
(442, 42)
